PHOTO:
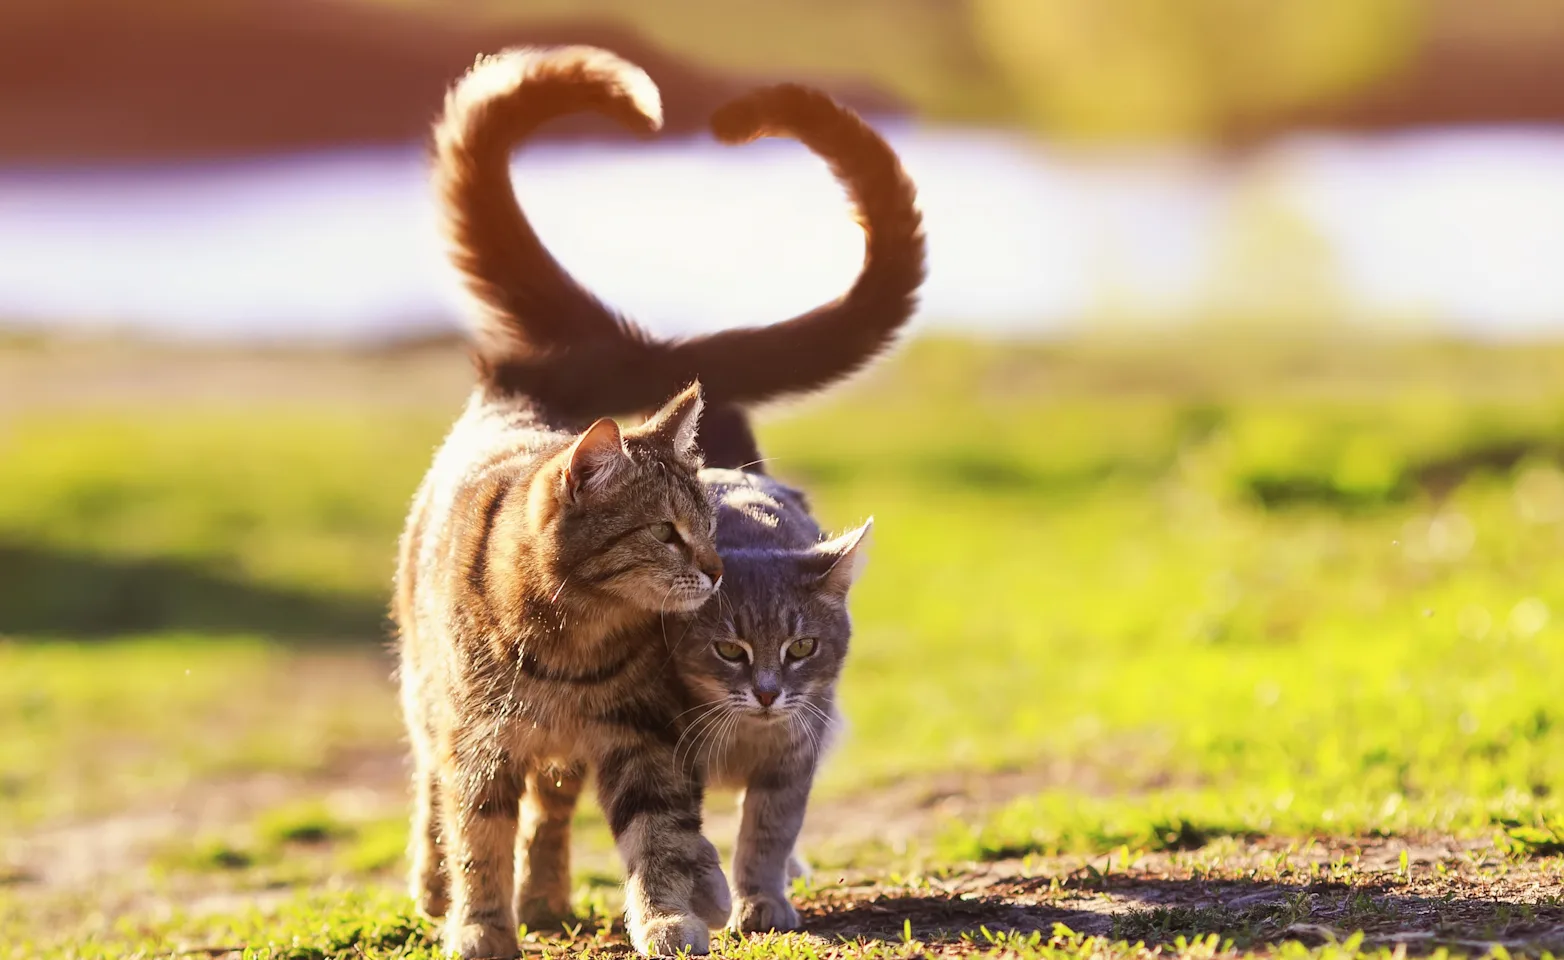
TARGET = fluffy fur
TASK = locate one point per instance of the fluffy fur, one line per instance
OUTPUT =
(539, 555)
(546, 338)
(761, 663)
(589, 361)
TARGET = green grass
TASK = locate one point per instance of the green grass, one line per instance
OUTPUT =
(1218, 592)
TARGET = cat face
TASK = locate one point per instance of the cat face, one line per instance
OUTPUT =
(769, 648)
(631, 518)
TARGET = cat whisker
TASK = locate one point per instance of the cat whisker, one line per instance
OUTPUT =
(719, 733)
(709, 703)
(701, 726)
(662, 618)
(754, 463)
(721, 738)
(713, 709)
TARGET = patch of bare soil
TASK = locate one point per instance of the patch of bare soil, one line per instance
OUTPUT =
(1410, 895)
(1416, 894)
(1422, 893)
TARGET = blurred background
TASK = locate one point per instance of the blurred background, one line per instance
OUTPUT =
(1218, 489)
(248, 169)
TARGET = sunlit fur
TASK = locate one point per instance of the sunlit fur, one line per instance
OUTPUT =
(527, 577)
(533, 568)
(544, 336)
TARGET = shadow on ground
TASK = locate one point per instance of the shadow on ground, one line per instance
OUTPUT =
(1160, 911)
(53, 594)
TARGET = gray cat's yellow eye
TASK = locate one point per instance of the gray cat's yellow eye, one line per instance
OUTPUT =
(728, 650)
(663, 532)
(801, 648)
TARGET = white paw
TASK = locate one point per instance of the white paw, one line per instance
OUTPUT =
(762, 912)
(666, 936)
(478, 941)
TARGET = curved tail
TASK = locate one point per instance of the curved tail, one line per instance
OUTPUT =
(526, 300)
(544, 336)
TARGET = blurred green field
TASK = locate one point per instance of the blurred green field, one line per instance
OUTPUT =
(1186, 594)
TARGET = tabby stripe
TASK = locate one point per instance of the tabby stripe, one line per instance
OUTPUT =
(627, 793)
(533, 668)
(478, 566)
(648, 718)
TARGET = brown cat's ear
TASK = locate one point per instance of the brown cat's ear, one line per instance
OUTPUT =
(598, 454)
(844, 559)
(677, 423)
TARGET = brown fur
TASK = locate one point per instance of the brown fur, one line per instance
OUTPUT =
(543, 338)
(534, 566)
(585, 359)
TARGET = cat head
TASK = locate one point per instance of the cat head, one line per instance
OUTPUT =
(770, 647)
(627, 515)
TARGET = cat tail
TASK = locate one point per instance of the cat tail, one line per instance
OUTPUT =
(526, 301)
(592, 369)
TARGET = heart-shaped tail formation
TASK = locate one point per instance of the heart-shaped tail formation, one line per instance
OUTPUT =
(542, 335)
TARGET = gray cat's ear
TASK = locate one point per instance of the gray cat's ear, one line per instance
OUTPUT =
(677, 423)
(845, 556)
(597, 456)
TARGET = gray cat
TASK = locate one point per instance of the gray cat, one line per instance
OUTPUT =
(762, 661)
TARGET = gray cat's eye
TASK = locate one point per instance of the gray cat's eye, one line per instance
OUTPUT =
(728, 650)
(663, 532)
(801, 648)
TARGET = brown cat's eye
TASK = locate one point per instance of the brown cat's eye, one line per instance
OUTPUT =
(801, 648)
(663, 532)
(728, 650)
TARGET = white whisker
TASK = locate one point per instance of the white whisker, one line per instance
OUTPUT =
(662, 618)
(701, 726)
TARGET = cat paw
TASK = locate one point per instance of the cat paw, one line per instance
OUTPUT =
(543, 914)
(667, 936)
(479, 941)
(431, 899)
(763, 912)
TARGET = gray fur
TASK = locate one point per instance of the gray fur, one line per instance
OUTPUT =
(781, 582)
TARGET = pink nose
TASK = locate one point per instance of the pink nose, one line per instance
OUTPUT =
(766, 697)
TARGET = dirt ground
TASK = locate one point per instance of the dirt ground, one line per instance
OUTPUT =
(1412, 894)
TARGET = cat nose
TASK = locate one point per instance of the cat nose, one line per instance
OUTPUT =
(712, 567)
(766, 697)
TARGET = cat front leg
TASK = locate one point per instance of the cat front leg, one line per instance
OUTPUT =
(543, 847)
(773, 815)
(479, 802)
(654, 810)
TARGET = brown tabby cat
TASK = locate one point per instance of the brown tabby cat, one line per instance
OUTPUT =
(535, 563)
(763, 660)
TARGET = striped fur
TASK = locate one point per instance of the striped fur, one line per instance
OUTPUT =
(781, 583)
(542, 337)
(538, 556)
(525, 597)
(769, 717)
